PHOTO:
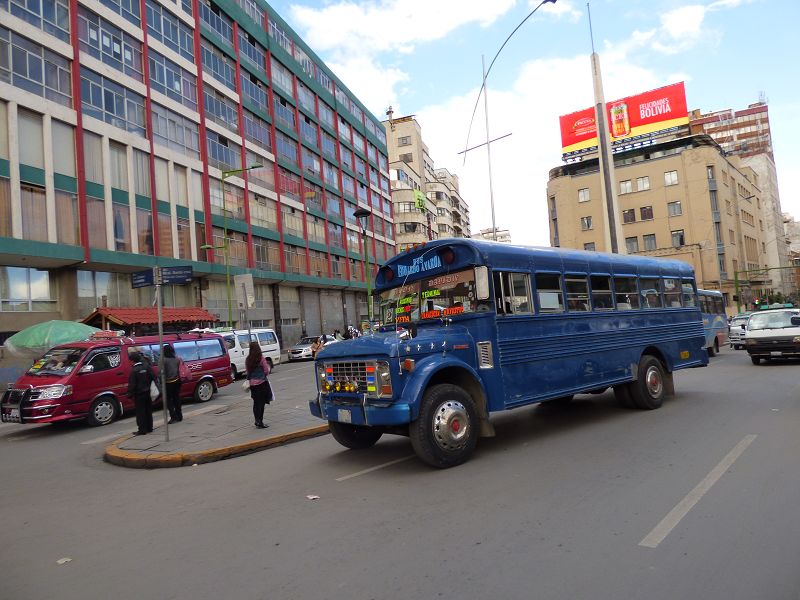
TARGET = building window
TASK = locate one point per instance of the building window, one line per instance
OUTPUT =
(583, 195)
(26, 290)
(674, 209)
(649, 241)
(109, 44)
(642, 183)
(111, 102)
(35, 69)
(175, 131)
(282, 78)
(168, 29)
(625, 187)
(629, 216)
(646, 213)
(632, 245)
(586, 223)
(34, 213)
(671, 178)
(407, 158)
(50, 16)
(172, 80)
(589, 246)
(404, 141)
(677, 238)
(122, 227)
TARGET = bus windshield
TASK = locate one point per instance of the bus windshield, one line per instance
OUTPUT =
(439, 296)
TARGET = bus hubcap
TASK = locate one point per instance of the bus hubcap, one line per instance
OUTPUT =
(451, 426)
(653, 379)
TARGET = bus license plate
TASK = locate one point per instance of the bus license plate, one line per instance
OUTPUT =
(776, 353)
(344, 416)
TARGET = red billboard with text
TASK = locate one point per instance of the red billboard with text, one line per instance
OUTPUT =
(629, 118)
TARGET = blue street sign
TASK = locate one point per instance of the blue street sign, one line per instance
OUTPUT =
(142, 278)
(176, 275)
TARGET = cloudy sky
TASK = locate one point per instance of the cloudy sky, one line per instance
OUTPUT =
(423, 57)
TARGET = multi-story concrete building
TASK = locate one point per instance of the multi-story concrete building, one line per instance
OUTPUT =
(427, 201)
(494, 235)
(746, 133)
(681, 198)
(125, 132)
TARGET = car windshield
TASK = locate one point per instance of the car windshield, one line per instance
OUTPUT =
(58, 361)
(440, 296)
(306, 340)
(775, 320)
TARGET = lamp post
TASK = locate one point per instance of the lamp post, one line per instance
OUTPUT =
(362, 214)
(225, 247)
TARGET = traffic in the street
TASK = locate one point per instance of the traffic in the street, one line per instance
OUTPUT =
(588, 499)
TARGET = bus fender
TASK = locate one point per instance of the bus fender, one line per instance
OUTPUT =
(427, 368)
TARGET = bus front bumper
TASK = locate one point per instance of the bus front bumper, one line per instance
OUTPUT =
(360, 414)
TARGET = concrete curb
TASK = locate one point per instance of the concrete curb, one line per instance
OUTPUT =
(157, 460)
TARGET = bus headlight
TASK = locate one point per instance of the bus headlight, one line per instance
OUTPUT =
(384, 379)
(750, 342)
(321, 377)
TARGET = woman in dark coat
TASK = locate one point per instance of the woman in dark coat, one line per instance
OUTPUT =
(172, 379)
(257, 369)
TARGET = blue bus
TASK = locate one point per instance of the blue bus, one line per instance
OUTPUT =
(715, 320)
(472, 327)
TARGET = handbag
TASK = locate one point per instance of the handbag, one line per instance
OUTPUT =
(246, 385)
(184, 372)
(154, 391)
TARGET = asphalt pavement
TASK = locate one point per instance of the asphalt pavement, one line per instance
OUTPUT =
(224, 428)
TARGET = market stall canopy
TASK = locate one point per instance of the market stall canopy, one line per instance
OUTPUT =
(141, 320)
(37, 339)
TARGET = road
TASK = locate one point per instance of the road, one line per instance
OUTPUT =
(695, 500)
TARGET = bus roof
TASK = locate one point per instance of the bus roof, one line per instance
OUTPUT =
(507, 256)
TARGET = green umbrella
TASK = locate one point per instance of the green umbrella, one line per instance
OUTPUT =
(39, 338)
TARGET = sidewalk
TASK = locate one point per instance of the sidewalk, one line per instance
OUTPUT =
(214, 431)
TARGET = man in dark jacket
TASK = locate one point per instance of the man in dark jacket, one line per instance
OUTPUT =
(139, 389)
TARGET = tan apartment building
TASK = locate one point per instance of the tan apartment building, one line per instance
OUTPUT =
(494, 235)
(427, 201)
(746, 133)
(680, 199)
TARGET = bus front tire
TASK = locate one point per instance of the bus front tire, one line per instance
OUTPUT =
(355, 437)
(649, 389)
(446, 431)
(756, 360)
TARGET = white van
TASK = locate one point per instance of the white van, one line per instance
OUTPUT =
(238, 346)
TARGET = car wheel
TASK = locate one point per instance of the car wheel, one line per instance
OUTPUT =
(716, 346)
(711, 351)
(203, 391)
(234, 372)
(355, 437)
(103, 411)
(446, 431)
(648, 390)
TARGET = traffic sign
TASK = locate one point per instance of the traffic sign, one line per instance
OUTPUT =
(176, 275)
(142, 279)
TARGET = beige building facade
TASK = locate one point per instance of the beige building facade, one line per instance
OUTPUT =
(427, 201)
(680, 199)
(494, 235)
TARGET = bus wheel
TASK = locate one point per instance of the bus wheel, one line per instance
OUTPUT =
(446, 431)
(648, 390)
(103, 411)
(755, 360)
(355, 437)
(622, 393)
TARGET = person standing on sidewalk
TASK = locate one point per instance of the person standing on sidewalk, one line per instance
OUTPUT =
(172, 379)
(257, 369)
(139, 389)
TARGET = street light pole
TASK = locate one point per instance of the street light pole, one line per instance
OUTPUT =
(362, 214)
(225, 247)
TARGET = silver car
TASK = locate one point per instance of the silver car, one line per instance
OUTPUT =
(302, 349)
(736, 331)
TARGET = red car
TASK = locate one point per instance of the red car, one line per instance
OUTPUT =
(89, 379)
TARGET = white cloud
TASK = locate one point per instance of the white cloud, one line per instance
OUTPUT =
(562, 8)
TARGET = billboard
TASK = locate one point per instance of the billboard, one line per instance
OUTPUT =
(630, 118)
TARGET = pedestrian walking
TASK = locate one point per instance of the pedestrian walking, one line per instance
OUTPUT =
(257, 369)
(139, 389)
(172, 380)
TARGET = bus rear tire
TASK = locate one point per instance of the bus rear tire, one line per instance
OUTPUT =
(649, 389)
(355, 437)
(446, 431)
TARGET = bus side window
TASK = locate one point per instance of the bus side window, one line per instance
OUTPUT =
(672, 292)
(602, 298)
(549, 293)
(651, 293)
(577, 293)
(511, 293)
(688, 293)
(627, 293)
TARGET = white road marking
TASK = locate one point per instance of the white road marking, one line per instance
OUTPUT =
(371, 469)
(668, 523)
(156, 422)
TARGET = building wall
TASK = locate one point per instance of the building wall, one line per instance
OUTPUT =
(718, 225)
(88, 185)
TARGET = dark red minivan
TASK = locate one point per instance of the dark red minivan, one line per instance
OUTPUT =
(89, 379)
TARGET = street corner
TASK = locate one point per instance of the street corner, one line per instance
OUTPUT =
(124, 458)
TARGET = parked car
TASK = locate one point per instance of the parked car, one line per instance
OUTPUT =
(238, 346)
(302, 349)
(89, 379)
(736, 331)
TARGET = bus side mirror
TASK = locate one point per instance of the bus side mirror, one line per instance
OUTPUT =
(482, 283)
